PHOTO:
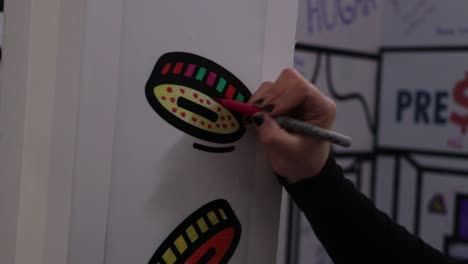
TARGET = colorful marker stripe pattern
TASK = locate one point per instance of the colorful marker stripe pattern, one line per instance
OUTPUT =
(204, 75)
(182, 90)
(168, 96)
(214, 226)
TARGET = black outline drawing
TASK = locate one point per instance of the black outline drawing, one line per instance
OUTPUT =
(456, 238)
(225, 222)
(399, 153)
(157, 78)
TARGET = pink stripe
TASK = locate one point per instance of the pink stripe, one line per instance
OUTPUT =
(211, 78)
(190, 70)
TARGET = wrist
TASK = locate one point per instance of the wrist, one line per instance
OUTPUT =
(312, 166)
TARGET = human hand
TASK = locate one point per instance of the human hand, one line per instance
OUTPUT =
(294, 157)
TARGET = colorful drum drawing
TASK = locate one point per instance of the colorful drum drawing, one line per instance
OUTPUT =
(183, 89)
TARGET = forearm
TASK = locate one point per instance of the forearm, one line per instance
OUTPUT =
(350, 227)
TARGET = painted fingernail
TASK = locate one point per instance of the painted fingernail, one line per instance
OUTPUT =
(259, 101)
(269, 108)
(258, 119)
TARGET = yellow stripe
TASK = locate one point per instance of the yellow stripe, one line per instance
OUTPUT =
(169, 256)
(213, 218)
(192, 234)
(223, 214)
(180, 244)
(202, 224)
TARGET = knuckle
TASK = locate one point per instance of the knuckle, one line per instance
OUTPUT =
(267, 83)
(289, 73)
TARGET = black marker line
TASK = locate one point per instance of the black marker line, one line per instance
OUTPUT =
(414, 151)
(197, 109)
(342, 52)
(396, 188)
(213, 149)
(418, 196)
(318, 65)
(349, 96)
(359, 175)
(207, 256)
(423, 49)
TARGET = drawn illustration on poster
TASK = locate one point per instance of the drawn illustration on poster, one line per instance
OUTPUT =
(209, 235)
(183, 89)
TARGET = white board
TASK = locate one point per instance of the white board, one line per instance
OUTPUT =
(423, 105)
(158, 178)
(425, 23)
(351, 25)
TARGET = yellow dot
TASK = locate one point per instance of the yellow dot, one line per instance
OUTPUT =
(180, 244)
(169, 256)
(213, 218)
(223, 214)
(202, 224)
(192, 233)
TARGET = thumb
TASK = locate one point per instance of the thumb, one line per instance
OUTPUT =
(272, 135)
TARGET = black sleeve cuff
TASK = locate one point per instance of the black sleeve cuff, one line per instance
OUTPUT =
(329, 176)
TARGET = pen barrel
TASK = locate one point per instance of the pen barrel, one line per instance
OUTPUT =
(297, 127)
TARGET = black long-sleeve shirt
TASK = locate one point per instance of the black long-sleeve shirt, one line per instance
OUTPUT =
(351, 228)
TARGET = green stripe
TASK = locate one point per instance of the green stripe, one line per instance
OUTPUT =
(201, 73)
(240, 97)
(221, 85)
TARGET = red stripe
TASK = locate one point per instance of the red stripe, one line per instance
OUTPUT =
(178, 68)
(231, 90)
(166, 69)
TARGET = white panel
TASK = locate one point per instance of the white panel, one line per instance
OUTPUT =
(412, 104)
(384, 187)
(349, 24)
(425, 23)
(406, 195)
(158, 178)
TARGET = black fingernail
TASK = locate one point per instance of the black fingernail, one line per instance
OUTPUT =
(269, 108)
(259, 101)
(258, 119)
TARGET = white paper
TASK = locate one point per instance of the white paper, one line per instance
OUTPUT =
(158, 178)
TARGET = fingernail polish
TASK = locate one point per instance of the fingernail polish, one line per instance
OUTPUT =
(269, 108)
(258, 119)
(259, 101)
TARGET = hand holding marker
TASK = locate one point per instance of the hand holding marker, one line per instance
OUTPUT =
(290, 124)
